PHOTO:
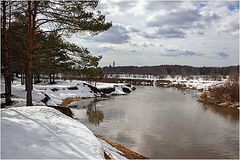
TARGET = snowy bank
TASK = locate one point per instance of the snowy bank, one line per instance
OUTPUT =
(115, 88)
(66, 89)
(194, 83)
(43, 132)
(40, 132)
(55, 94)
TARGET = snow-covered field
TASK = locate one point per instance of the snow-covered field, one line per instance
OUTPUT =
(197, 82)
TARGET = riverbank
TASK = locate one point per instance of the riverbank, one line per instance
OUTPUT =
(210, 90)
(125, 151)
(199, 82)
(225, 95)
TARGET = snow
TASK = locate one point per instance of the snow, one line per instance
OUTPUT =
(19, 102)
(108, 85)
(40, 91)
(64, 92)
(117, 86)
(19, 91)
(118, 91)
(198, 84)
(43, 132)
(196, 81)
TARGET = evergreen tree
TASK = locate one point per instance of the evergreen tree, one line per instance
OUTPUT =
(6, 54)
(65, 17)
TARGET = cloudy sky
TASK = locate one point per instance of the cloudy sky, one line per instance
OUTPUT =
(167, 32)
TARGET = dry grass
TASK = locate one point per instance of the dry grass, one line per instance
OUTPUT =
(225, 95)
(126, 152)
(67, 101)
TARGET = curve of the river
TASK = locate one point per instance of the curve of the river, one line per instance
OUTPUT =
(165, 123)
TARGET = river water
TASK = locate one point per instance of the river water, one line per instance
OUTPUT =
(164, 123)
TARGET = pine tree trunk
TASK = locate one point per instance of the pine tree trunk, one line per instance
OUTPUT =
(38, 78)
(54, 67)
(34, 79)
(50, 77)
(7, 58)
(10, 51)
(32, 13)
(22, 79)
(29, 57)
(25, 75)
(53, 78)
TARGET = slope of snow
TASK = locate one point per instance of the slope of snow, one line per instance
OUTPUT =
(118, 90)
(117, 86)
(43, 132)
(19, 91)
(63, 90)
(56, 97)
(108, 85)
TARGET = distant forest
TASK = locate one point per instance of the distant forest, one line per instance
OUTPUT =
(171, 70)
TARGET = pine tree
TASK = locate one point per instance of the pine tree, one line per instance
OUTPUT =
(65, 17)
(6, 55)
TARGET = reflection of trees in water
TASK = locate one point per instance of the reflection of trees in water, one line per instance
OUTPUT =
(230, 113)
(94, 116)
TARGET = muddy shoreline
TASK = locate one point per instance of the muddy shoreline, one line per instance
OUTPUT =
(126, 152)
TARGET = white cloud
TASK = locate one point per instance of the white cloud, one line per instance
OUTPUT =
(143, 30)
(230, 24)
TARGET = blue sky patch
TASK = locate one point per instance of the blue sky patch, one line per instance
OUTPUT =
(233, 6)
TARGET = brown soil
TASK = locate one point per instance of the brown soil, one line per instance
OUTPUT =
(126, 152)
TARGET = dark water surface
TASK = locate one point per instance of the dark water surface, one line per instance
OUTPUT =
(165, 123)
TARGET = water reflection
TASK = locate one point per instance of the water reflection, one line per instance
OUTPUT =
(83, 103)
(86, 109)
(94, 116)
(229, 113)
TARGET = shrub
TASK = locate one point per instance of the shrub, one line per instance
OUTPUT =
(227, 94)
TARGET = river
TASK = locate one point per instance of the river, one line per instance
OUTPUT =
(164, 123)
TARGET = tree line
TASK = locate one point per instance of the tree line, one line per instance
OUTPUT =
(172, 70)
(33, 45)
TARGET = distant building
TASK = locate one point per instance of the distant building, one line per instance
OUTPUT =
(113, 64)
